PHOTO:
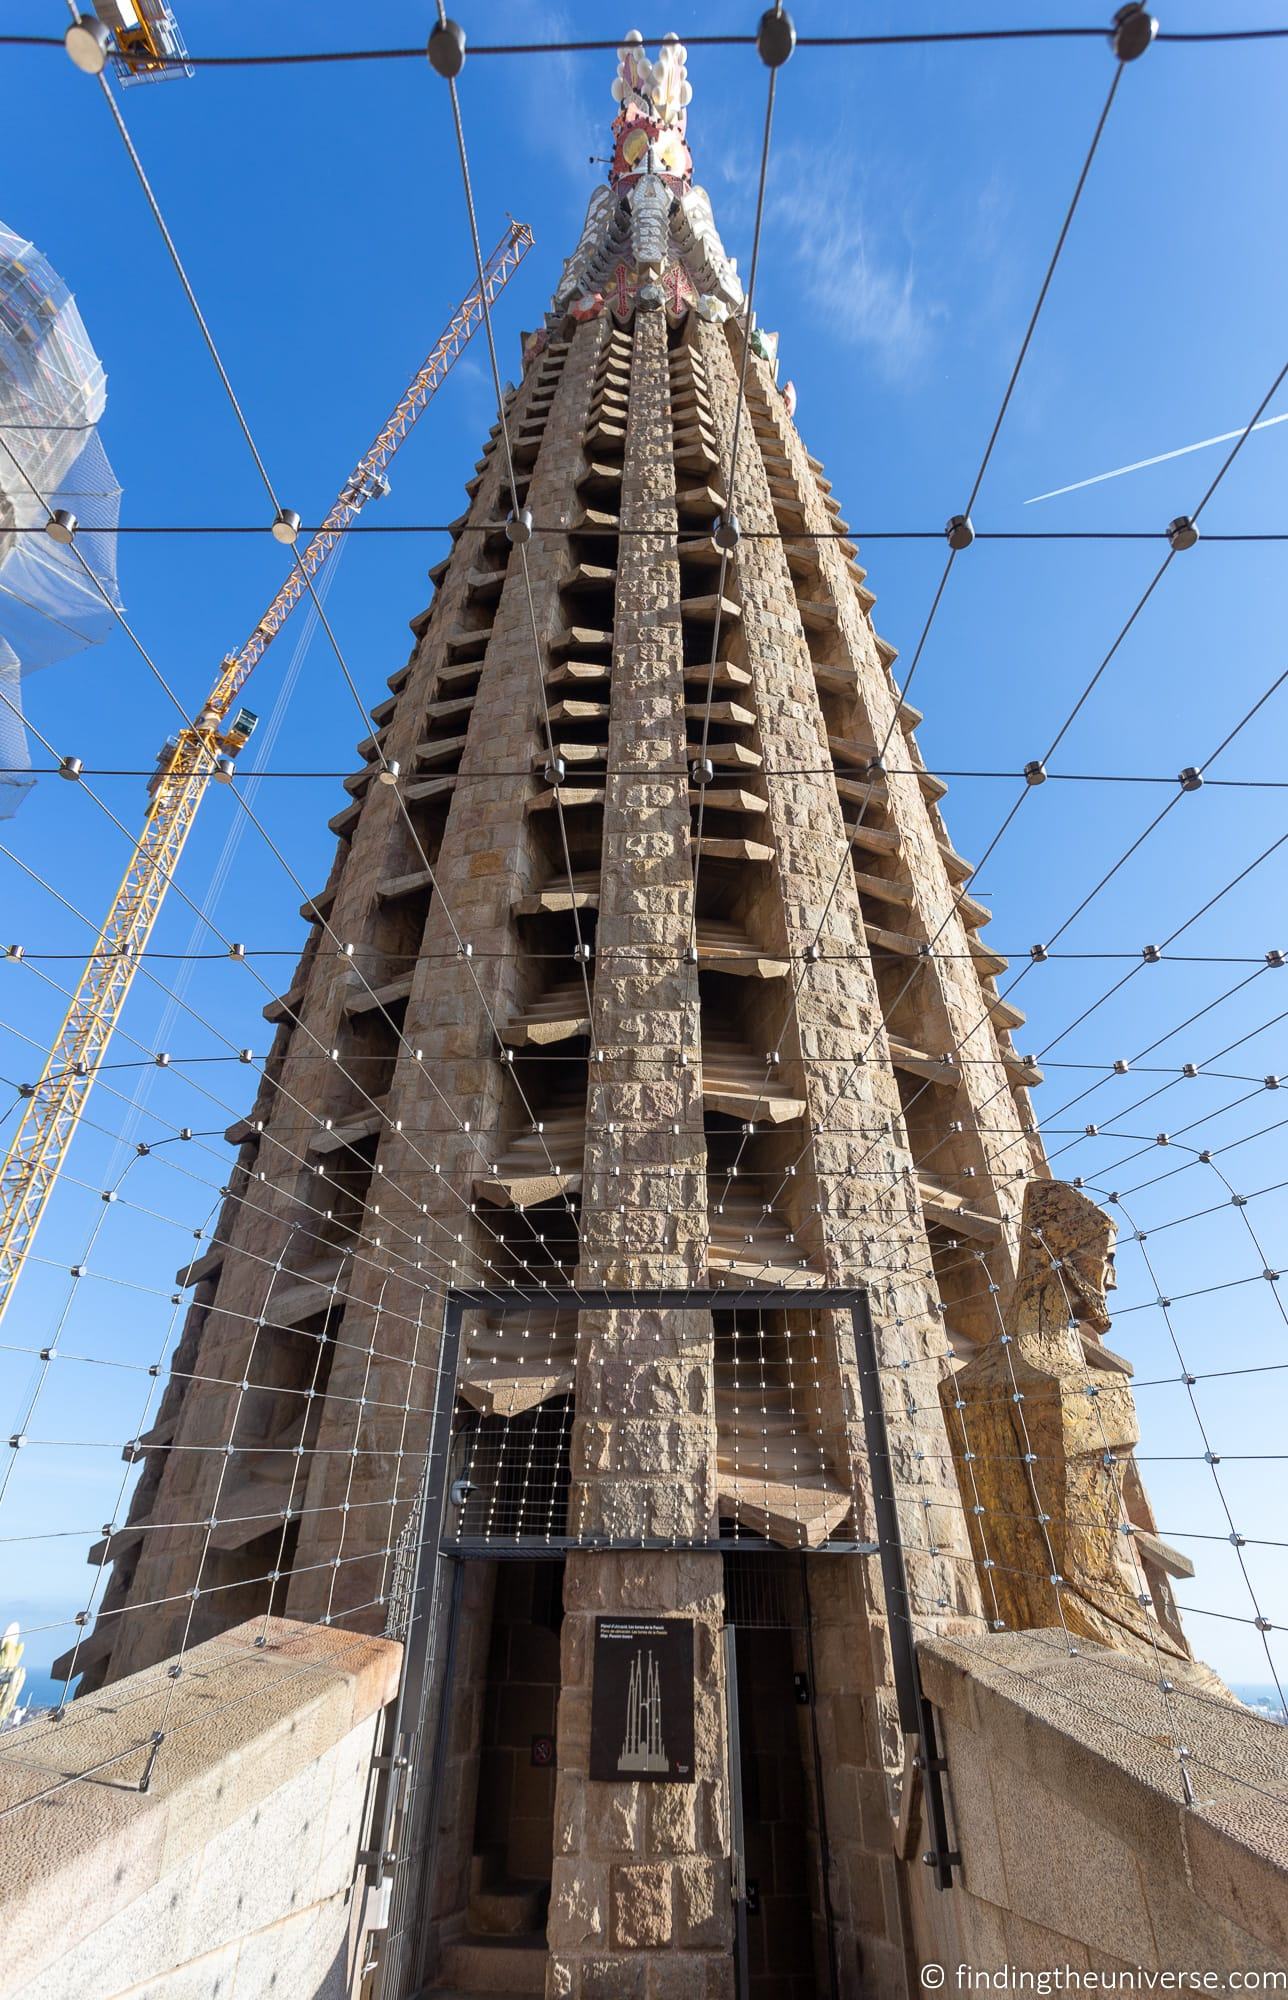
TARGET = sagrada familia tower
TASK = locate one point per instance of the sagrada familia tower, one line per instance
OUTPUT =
(647, 961)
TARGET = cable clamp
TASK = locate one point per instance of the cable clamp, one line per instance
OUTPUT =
(88, 42)
(446, 49)
(775, 37)
(1131, 33)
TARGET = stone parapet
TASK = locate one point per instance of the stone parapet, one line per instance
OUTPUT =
(1077, 1846)
(234, 1872)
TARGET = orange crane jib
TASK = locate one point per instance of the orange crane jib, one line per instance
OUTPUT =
(55, 1104)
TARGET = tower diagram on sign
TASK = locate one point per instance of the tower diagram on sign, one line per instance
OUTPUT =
(642, 1747)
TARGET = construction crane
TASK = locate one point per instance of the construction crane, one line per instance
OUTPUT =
(148, 45)
(202, 751)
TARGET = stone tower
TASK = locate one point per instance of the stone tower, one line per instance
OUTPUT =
(651, 967)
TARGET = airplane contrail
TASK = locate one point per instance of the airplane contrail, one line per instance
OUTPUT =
(1162, 458)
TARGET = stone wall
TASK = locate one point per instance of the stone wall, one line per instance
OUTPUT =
(1077, 1848)
(640, 1903)
(234, 1873)
(327, 1300)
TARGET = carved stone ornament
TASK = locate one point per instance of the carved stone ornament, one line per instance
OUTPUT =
(1043, 1427)
(649, 217)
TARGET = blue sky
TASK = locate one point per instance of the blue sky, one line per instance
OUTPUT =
(914, 197)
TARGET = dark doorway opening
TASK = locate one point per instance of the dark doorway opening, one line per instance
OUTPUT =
(499, 1755)
(787, 1945)
(515, 1812)
(505, 1711)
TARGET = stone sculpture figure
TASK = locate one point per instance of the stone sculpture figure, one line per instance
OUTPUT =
(1043, 1426)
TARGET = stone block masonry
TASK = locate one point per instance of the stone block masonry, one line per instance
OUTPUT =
(641, 1888)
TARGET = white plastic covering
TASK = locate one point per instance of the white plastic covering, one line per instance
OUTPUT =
(52, 395)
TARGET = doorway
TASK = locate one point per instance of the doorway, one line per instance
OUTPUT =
(495, 1939)
(515, 1810)
(785, 1921)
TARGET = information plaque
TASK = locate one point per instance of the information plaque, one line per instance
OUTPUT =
(641, 1714)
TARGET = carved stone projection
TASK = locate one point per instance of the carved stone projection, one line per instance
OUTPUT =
(1043, 1424)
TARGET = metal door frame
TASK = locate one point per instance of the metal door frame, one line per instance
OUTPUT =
(916, 1715)
(737, 1831)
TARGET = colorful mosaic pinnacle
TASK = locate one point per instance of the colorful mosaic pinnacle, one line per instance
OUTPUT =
(649, 232)
(649, 129)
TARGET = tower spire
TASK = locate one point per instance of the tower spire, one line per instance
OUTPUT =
(649, 237)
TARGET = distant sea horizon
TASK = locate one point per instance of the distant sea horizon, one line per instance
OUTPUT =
(1263, 1696)
(40, 1689)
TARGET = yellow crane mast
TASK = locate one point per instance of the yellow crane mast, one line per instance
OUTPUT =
(201, 750)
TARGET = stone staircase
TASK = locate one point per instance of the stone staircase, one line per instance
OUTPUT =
(503, 1946)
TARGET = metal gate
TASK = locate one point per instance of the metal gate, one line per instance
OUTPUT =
(400, 1855)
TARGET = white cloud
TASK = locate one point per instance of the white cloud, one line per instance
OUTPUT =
(559, 122)
(866, 287)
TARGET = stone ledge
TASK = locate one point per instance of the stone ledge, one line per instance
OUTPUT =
(1096, 1728)
(241, 1721)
